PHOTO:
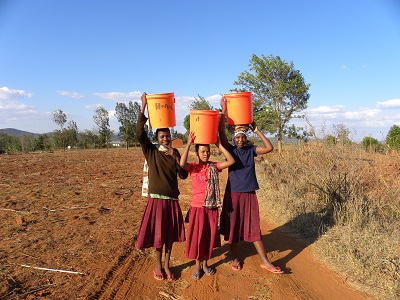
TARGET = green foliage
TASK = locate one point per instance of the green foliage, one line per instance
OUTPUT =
(102, 120)
(88, 140)
(10, 144)
(60, 118)
(186, 122)
(393, 137)
(41, 143)
(370, 144)
(279, 91)
(330, 140)
(127, 116)
(71, 134)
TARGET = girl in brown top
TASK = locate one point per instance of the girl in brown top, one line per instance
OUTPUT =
(162, 221)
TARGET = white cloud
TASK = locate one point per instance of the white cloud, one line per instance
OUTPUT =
(326, 109)
(8, 94)
(362, 114)
(93, 106)
(74, 95)
(121, 97)
(394, 103)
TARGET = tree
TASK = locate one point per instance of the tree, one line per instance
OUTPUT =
(278, 92)
(127, 116)
(42, 142)
(88, 139)
(393, 137)
(102, 120)
(196, 104)
(341, 133)
(371, 144)
(72, 133)
(60, 118)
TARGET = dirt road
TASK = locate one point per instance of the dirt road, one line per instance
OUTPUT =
(304, 277)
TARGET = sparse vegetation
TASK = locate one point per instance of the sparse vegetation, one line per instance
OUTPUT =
(346, 201)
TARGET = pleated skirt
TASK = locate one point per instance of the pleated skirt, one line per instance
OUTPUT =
(162, 223)
(240, 217)
(203, 234)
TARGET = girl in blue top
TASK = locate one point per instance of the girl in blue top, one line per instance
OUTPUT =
(240, 217)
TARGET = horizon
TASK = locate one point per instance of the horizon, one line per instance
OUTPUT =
(57, 55)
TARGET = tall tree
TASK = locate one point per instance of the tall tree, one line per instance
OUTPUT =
(127, 116)
(102, 120)
(279, 91)
(72, 133)
(60, 118)
(393, 137)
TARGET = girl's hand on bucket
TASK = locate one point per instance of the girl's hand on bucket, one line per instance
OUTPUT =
(223, 104)
(254, 126)
(192, 137)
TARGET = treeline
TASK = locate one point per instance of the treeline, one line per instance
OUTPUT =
(69, 136)
(44, 142)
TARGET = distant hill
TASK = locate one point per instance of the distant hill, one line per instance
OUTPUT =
(17, 132)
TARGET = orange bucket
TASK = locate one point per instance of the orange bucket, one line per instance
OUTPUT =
(204, 124)
(239, 108)
(161, 108)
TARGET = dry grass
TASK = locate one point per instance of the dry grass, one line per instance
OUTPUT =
(346, 201)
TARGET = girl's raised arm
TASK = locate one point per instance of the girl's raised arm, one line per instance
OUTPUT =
(183, 161)
(229, 158)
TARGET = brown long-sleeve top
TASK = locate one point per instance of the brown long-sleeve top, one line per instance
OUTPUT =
(163, 169)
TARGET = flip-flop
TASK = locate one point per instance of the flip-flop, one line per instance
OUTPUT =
(236, 266)
(275, 270)
(158, 276)
(170, 276)
(209, 271)
(196, 275)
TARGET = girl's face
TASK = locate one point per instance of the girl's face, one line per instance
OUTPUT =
(240, 140)
(164, 138)
(203, 153)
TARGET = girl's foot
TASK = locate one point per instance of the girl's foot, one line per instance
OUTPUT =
(158, 276)
(236, 266)
(196, 275)
(170, 276)
(270, 267)
(208, 271)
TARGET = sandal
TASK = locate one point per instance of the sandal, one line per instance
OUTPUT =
(196, 275)
(236, 266)
(209, 271)
(275, 270)
(170, 276)
(158, 276)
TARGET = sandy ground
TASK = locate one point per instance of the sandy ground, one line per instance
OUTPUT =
(76, 214)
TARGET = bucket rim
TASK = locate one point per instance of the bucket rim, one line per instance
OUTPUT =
(160, 95)
(237, 94)
(204, 111)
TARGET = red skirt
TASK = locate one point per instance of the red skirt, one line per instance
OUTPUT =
(240, 217)
(203, 234)
(162, 223)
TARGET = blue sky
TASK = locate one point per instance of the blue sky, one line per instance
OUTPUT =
(76, 55)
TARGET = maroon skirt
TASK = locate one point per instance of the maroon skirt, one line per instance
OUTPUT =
(203, 234)
(240, 217)
(162, 223)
